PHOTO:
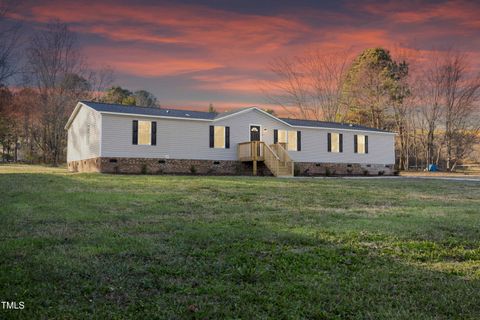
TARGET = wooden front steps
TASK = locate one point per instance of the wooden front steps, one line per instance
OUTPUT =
(275, 157)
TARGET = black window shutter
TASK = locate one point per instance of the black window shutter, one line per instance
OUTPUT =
(212, 138)
(329, 141)
(299, 140)
(366, 144)
(227, 137)
(275, 136)
(341, 142)
(135, 132)
(153, 139)
(355, 144)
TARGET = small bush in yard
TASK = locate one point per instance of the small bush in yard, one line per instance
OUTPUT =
(193, 170)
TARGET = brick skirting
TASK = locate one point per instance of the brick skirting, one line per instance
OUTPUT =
(220, 167)
(341, 169)
(165, 166)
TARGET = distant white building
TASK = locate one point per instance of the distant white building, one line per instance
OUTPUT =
(115, 138)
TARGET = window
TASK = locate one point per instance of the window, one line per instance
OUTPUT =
(290, 138)
(144, 132)
(282, 136)
(335, 142)
(292, 141)
(360, 144)
(219, 141)
(219, 137)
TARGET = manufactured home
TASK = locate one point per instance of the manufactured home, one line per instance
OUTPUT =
(113, 138)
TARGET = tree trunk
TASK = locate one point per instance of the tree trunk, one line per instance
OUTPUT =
(15, 154)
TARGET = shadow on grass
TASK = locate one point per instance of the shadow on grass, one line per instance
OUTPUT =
(226, 271)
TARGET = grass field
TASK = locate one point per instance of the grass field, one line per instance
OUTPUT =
(76, 246)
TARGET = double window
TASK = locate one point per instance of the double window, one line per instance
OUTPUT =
(292, 139)
(360, 143)
(219, 137)
(144, 132)
(335, 142)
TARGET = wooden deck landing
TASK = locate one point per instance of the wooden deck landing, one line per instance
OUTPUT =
(275, 157)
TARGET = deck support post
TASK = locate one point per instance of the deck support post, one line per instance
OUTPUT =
(254, 154)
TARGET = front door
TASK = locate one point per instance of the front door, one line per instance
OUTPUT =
(254, 133)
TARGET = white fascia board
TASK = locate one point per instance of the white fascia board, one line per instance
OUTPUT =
(73, 115)
(75, 112)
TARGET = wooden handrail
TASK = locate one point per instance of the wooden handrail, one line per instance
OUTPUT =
(284, 157)
(271, 159)
(273, 152)
(283, 154)
(275, 157)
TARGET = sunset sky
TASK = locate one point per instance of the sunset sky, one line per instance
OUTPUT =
(192, 53)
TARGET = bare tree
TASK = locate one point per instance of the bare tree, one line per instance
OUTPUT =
(28, 120)
(99, 80)
(404, 108)
(461, 98)
(449, 92)
(61, 77)
(326, 73)
(310, 86)
(430, 91)
(9, 38)
(402, 111)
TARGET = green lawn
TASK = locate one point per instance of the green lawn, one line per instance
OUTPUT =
(76, 246)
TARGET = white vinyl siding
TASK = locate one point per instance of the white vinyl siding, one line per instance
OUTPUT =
(189, 139)
(314, 148)
(84, 135)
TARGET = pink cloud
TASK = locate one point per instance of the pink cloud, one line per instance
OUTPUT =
(228, 83)
(463, 12)
(191, 40)
(148, 63)
(193, 25)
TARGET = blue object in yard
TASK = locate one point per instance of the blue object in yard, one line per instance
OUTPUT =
(432, 167)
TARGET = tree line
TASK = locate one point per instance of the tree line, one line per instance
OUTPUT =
(51, 76)
(430, 100)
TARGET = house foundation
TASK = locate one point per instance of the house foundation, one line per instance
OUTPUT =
(220, 167)
(341, 169)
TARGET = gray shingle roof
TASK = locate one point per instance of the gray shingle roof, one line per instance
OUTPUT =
(119, 108)
(190, 114)
(329, 125)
